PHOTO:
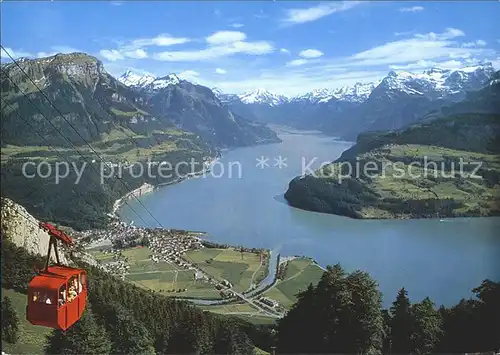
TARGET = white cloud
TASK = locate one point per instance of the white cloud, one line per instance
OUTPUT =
(237, 25)
(220, 71)
(14, 53)
(162, 40)
(411, 9)
(284, 50)
(478, 43)
(213, 52)
(136, 54)
(116, 3)
(297, 62)
(404, 33)
(225, 37)
(111, 54)
(449, 33)
(310, 53)
(430, 46)
(189, 75)
(427, 64)
(296, 16)
(135, 48)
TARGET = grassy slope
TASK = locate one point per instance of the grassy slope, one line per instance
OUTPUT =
(117, 145)
(222, 263)
(299, 274)
(32, 337)
(389, 185)
(409, 191)
(230, 265)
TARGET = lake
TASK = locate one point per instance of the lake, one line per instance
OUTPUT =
(240, 203)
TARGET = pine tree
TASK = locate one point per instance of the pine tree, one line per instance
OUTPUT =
(363, 320)
(127, 335)
(10, 322)
(84, 337)
(488, 312)
(427, 327)
(330, 305)
(298, 330)
(401, 323)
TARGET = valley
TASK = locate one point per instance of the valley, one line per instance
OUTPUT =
(258, 252)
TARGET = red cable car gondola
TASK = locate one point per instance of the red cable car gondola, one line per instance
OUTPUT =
(58, 294)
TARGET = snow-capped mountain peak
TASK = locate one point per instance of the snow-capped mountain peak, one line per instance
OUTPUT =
(148, 82)
(223, 97)
(437, 82)
(357, 93)
(262, 96)
(130, 78)
(163, 82)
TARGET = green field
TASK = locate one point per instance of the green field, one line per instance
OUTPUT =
(117, 145)
(400, 181)
(32, 338)
(162, 277)
(241, 310)
(167, 278)
(241, 269)
(299, 274)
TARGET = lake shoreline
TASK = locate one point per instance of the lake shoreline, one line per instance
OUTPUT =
(148, 188)
(396, 252)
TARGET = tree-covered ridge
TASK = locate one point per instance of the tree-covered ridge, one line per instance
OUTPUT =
(123, 318)
(341, 314)
(96, 104)
(448, 167)
(67, 109)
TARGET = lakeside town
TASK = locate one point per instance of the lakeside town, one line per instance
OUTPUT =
(170, 246)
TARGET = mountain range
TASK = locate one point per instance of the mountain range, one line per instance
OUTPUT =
(467, 131)
(394, 102)
(96, 103)
(68, 107)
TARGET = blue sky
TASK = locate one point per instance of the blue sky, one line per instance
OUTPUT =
(284, 46)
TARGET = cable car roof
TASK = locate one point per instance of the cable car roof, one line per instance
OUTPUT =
(54, 277)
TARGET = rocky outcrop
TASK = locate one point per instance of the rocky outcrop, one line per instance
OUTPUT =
(21, 228)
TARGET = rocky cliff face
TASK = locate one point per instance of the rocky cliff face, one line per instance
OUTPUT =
(21, 228)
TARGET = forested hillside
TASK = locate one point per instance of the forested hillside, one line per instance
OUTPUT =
(342, 314)
(444, 166)
(124, 319)
(65, 115)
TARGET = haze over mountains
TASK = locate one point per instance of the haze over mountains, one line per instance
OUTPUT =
(399, 99)
(465, 131)
(96, 103)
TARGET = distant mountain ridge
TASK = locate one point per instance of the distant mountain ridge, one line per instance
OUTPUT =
(395, 101)
(96, 103)
(468, 131)
(197, 109)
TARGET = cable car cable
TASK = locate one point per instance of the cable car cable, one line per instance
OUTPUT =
(74, 147)
(64, 118)
(56, 151)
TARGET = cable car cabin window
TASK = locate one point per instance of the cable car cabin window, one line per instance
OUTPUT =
(62, 295)
(43, 297)
(83, 282)
(72, 288)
